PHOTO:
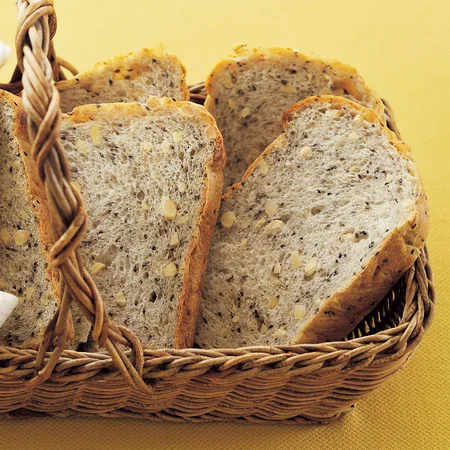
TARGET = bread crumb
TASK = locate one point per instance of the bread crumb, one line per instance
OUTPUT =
(288, 89)
(177, 137)
(295, 259)
(274, 227)
(174, 239)
(81, 147)
(271, 208)
(272, 303)
(182, 219)
(96, 134)
(21, 237)
(305, 152)
(279, 334)
(45, 297)
(263, 167)
(188, 110)
(245, 112)
(277, 268)
(333, 113)
(299, 312)
(153, 102)
(146, 147)
(4, 236)
(169, 209)
(310, 268)
(227, 82)
(210, 132)
(97, 267)
(121, 300)
(231, 103)
(260, 223)
(244, 225)
(30, 292)
(170, 270)
(238, 47)
(227, 220)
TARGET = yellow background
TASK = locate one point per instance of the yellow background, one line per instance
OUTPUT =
(402, 48)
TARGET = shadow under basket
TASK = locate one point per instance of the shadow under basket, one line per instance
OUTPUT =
(313, 383)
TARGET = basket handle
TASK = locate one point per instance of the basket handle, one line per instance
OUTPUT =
(38, 67)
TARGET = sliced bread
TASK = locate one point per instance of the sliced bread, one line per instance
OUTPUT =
(151, 177)
(132, 77)
(249, 91)
(22, 262)
(325, 221)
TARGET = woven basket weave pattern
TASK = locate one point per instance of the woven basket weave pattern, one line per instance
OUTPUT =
(292, 384)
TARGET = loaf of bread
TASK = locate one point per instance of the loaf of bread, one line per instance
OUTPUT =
(22, 263)
(151, 177)
(132, 77)
(249, 91)
(322, 225)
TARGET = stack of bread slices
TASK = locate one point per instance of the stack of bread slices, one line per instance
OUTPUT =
(316, 213)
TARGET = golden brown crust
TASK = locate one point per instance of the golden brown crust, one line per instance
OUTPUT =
(131, 65)
(126, 111)
(347, 76)
(197, 253)
(197, 256)
(340, 314)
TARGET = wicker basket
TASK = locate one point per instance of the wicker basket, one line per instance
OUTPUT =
(292, 384)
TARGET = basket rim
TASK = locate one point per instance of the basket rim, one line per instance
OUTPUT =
(344, 356)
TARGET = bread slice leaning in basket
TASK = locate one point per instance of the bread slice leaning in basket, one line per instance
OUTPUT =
(22, 262)
(322, 225)
(249, 91)
(131, 77)
(151, 177)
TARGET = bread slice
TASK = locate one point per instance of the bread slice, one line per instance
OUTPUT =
(249, 91)
(151, 177)
(325, 221)
(132, 77)
(22, 263)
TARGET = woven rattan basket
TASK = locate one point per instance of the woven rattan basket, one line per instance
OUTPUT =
(292, 384)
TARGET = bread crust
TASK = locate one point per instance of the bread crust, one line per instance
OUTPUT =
(339, 314)
(188, 309)
(37, 200)
(135, 62)
(197, 254)
(277, 55)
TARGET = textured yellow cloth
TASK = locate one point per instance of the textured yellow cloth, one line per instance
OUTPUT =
(402, 48)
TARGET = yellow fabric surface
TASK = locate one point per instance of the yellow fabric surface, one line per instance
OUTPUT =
(402, 48)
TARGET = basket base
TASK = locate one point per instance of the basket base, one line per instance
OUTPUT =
(23, 414)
